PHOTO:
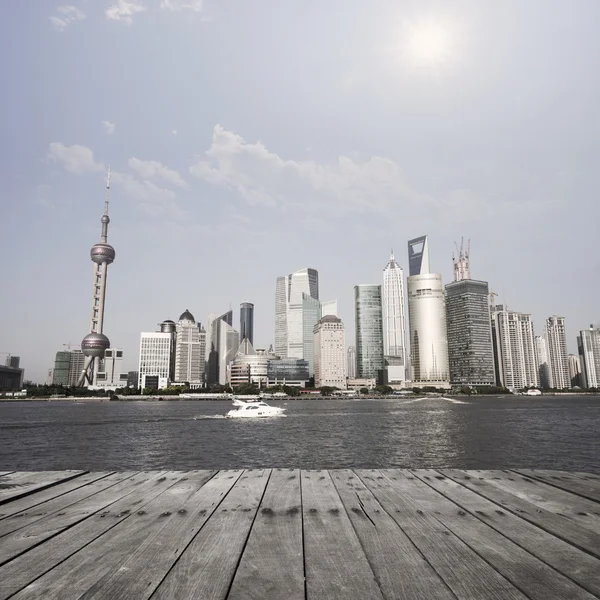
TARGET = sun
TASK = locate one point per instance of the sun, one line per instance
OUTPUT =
(427, 44)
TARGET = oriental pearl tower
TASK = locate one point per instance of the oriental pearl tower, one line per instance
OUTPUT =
(95, 343)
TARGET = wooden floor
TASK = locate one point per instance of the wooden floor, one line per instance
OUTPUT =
(289, 534)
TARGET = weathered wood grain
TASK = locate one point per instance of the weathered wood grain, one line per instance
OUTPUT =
(335, 563)
(24, 569)
(206, 568)
(526, 572)
(92, 484)
(16, 485)
(566, 559)
(272, 566)
(464, 571)
(27, 502)
(83, 574)
(401, 570)
(587, 488)
(557, 525)
(28, 536)
(145, 566)
(3, 473)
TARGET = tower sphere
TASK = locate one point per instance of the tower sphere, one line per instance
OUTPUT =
(187, 316)
(94, 344)
(105, 219)
(102, 253)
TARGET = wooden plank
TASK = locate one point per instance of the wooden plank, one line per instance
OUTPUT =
(122, 549)
(207, 567)
(530, 575)
(587, 488)
(3, 473)
(24, 569)
(335, 563)
(22, 539)
(137, 573)
(20, 484)
(401, 570)
(272, 566)
(463, 570)
(553, 499)
(33, 507)
(565, 529)
(568, 560)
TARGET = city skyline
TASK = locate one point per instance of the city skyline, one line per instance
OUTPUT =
(295, 155)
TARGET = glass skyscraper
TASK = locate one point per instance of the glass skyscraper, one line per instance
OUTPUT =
(369, 331)
(394, 327)
(247, 322)
(470, 349)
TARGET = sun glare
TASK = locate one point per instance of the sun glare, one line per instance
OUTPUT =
(427, 44)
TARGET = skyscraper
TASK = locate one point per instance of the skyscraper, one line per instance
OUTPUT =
(301, 283)
(95, 343)
(470, 352)
(557, 352)
(394, 324)
(427, 319)
(190, 348)
(224, 341)
(330, 352)
(68, 367)
(281, 302)
(351, 368)
(541, 350)
(369, 331)
(588, 342)
(574, 370)
(514, 348)
(156, 352)
(247, 321)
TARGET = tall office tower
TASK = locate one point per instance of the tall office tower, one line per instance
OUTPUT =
(224, 341)
(394, 324)
(156, 352)
(461, 261)
(68, 367)
(189, 350)
(300, 284)
(588, 342)
(514, 348)
(369, 331)
(247, 321)
(281, 302)
(351, 368)
(574, 370)
(95, 343)
(427, 319)
(541, 351)
(12, 362)
(556, 339)
(470, 351)
(311, 313)
(330, 352)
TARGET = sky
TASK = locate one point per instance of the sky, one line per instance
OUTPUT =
(248, 140)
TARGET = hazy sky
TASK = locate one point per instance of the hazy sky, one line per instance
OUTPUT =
(249, 139)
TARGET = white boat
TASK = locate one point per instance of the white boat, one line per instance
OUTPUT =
(253, 409)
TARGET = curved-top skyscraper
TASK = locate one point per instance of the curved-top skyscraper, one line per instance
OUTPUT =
(95, 343)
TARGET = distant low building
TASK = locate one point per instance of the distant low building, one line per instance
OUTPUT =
(330, 352)
(293, 372)
(249, 366)
(132, 379)
(110, 373)
(156, 354)
(11, 378)
(357, 384)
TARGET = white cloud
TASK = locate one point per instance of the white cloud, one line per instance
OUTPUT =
(152, 199)
(152, 170)
(75, 159)
(263, 177)
(109, 127)
(174, 132)
(124, 10)
(67, 15)
(195, 5)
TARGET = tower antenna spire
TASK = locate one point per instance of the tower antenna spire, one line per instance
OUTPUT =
(107, 191)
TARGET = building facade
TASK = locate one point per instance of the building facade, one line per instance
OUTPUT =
(588, 343)
(556, 340)
(541, 350)
(470, 352)
(190, 350)
(369, 331)
(514, 349)
(247, 321)
(11, 378)
(68, 367)
(330, 352)
(303, 286)
(574, 370)
(281, 302)
(110, 373)
(250, 366)
(394, 322)
(288, 371)
(223, 346)
(351, 366)
(156, 352)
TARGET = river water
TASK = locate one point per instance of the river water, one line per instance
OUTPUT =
(470, 433)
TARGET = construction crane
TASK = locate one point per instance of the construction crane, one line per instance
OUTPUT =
(493, 298)
(69, 344)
